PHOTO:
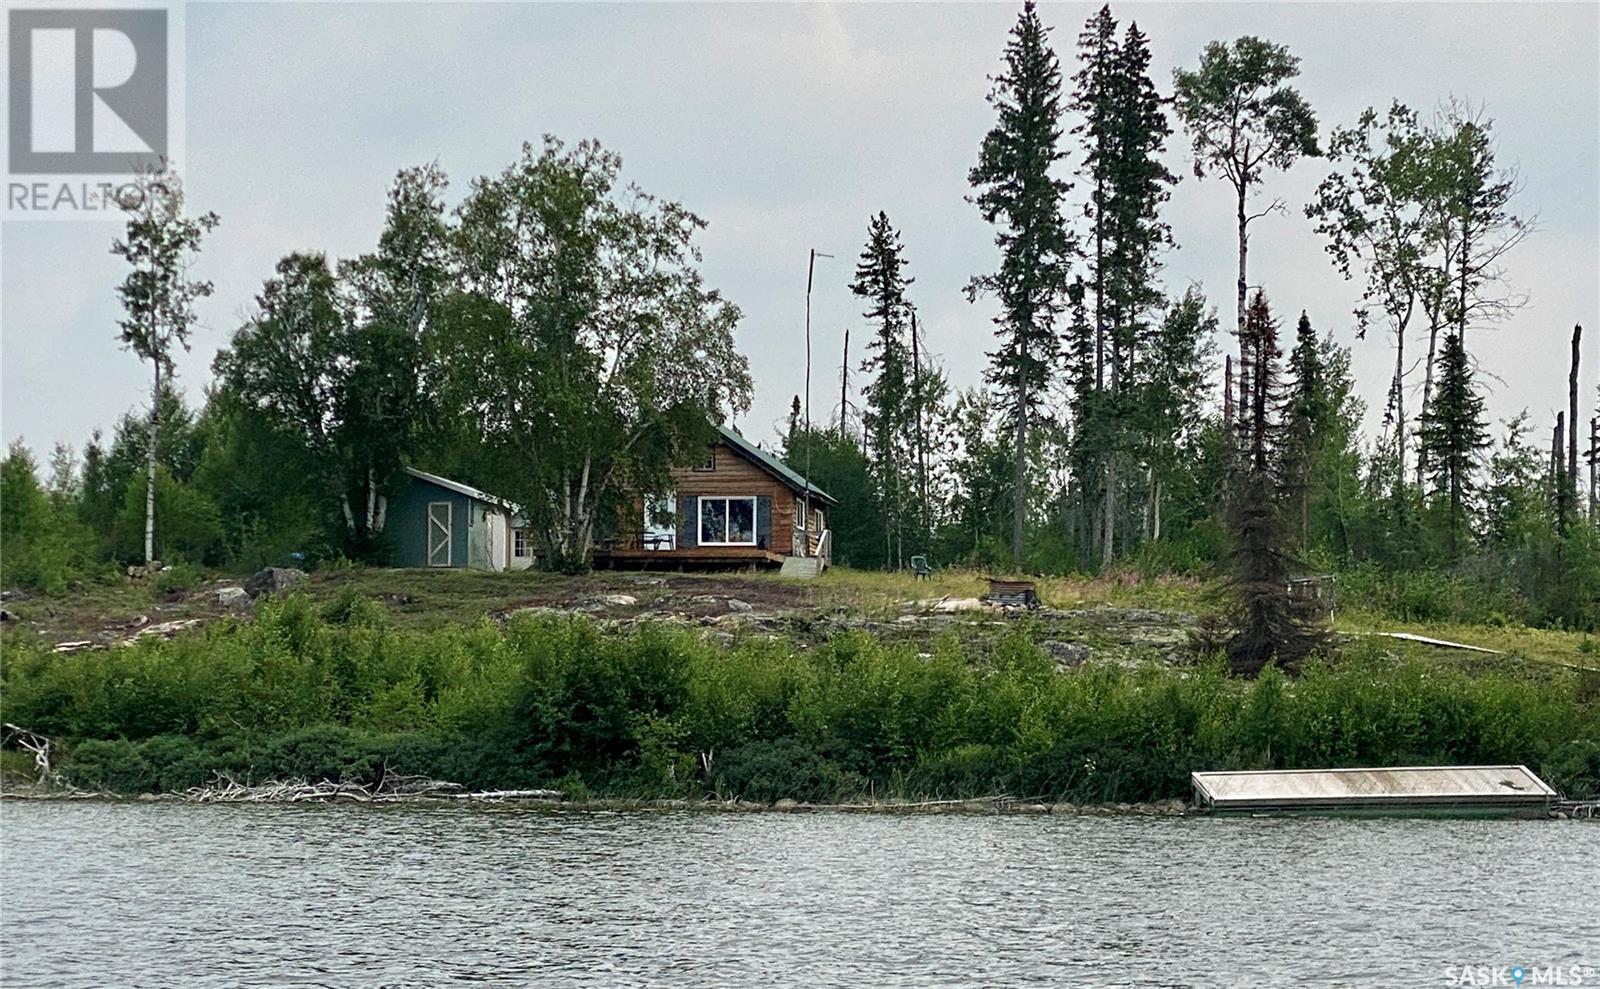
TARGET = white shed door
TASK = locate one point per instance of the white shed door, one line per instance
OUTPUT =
(439, 534)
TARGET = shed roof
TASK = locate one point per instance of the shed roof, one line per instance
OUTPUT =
(1509, 786)
(773, 465)
(463, 489)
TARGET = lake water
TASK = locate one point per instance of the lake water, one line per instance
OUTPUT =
(101, 894)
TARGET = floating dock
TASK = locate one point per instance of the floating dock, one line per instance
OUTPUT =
(1446, 790)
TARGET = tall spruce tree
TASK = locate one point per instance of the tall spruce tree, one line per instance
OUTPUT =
(1095, 99)
(1454, 434)
(1172, 392)
(1141, 184)
(1125, 131)
(1016, 192)
(1273, 627)
(1307, 418)
(890, 403)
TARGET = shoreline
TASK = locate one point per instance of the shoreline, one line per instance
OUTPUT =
(994, 806)
(976, 807)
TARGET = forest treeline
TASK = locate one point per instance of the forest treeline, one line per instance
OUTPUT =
(1117, 427)
(550, 338)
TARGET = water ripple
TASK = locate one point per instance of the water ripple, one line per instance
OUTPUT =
(219, 896)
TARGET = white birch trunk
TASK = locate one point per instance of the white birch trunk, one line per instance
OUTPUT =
(150, 465)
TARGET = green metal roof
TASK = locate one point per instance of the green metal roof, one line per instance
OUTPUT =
(772, 464)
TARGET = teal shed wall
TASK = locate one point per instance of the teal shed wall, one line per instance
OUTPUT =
(405, 532)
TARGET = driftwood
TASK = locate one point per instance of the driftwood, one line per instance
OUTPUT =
(36, 744)
(224, 789)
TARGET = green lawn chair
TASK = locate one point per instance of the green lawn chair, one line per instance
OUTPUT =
(920, 568)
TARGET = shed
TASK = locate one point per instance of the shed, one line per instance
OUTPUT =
(1437, 789)
(433, 521)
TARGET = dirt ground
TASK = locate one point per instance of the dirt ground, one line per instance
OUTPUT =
(100, 614)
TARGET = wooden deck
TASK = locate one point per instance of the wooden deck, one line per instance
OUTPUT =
(688, 558)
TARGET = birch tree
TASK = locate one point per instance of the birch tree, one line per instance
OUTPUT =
(1380, 210)
(158, 295)
(1244, 119)
(582, 343)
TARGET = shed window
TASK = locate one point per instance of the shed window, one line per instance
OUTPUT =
(727, 521)
(523, 544)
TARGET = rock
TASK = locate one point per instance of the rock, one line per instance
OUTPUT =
(535, 610)
(13, 594)
(273, 580)
(785, 804)
(734, 604)
(6, 616)
(233, 597)
(599, 601)
(961, 604)
(1065, 653)
(1063, 808)
(1171, 807)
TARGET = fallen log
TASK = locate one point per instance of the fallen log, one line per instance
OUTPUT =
(1441, 643)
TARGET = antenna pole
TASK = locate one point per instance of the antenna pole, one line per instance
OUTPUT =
(805, 520)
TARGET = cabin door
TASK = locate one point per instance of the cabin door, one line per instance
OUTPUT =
(660, 522)
(439, 533)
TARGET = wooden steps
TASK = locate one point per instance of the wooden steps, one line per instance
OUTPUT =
(801, 567)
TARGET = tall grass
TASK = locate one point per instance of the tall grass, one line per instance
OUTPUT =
(333, 691)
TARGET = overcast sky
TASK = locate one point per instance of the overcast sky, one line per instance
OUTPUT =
(785, 127)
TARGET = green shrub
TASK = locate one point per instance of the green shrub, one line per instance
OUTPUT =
(302, 691)
(117, 765)
(1574, 769)
(176, 577)
(43, 545)
(188, 525)
(773, 769)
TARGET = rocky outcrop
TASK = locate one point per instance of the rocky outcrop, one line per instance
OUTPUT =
(273, 580)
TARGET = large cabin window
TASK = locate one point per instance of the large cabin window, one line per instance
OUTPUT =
(727, 521)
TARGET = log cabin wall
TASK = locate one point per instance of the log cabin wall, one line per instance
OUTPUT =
(732, 474)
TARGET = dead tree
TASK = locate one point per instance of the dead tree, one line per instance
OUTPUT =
(1594, 460)
(1558, 471)
(1572, 414)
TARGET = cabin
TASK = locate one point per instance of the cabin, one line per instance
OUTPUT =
(432, 521)
(740, 506)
